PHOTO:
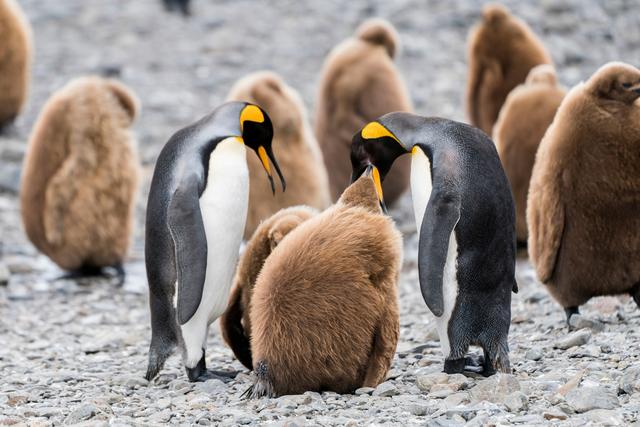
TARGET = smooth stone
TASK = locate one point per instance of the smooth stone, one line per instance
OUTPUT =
(386, 389)
(81, 413)
(419, 409)
(578, 321)
(534, 354)
(495, 389)
(604, 417)
(213, 386)
(364, 390)
(585, 399)
(425, 382)
(516, 402)
(573, 339)
(630, 381)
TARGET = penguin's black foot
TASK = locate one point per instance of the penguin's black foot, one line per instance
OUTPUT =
(454, 366)
(635, 293)
(88, 272)
(570, 311)
(198, 371)
(120, 274)
(224, 376)
(181, 5)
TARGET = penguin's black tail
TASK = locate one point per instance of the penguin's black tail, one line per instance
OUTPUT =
(263, 386)
(164, 337)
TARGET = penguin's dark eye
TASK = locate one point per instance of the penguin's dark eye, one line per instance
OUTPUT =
(626, 85)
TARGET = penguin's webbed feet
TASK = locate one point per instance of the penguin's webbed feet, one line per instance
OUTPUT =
(570, 311)
(635, 293)
(197, 372)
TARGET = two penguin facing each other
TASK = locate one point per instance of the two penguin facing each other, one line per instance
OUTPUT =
(194, 228)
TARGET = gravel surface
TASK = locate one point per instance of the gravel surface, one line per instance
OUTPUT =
(75, 352)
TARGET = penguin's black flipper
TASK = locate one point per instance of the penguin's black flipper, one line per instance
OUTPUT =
(188, 234)
(440, 218)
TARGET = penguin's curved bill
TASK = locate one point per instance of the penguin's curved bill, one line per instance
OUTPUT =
(373, 172)
(265, 154)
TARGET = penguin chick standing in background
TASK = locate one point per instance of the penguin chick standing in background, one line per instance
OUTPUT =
(584, 196)
(196, 214)
(359, 82)
(524, 118)
(235, 323)
(324, 310)
(293, 141)
(15, 60)
(466, 224)
(80, 176)
(501, 51)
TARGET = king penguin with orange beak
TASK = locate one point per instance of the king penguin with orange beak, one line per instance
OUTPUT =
(465, 218)
(196, 216)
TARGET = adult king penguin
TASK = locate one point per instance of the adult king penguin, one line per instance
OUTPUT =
(195, 219)
(466, 224)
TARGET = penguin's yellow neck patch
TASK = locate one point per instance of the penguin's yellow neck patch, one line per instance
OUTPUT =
(375, 130)
(251, 113)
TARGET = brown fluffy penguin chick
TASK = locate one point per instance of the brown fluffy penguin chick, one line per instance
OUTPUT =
(584, 194)
(324, 312)
(15, 60)
(295, 146)
(501, 51)
(360, 83)
(81, 174)
(235, 323)
(527, 113)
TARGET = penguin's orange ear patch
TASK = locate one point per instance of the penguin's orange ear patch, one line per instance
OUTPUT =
(375, 130)
(251, 113)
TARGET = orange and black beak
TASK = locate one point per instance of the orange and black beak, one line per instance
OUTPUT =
(373, 172)
(257, 133)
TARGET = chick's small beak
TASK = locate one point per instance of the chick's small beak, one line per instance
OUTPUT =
(265, 155)
(374, 173)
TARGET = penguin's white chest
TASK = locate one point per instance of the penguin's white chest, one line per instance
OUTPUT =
(224, 205)
(421, 187)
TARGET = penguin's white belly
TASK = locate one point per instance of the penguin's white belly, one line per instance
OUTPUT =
(421, 187)
(223, 204)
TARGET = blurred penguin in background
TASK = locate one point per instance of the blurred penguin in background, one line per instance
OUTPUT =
(524, 118)
(15, 60)
(584, 196)
(80, 176)
(359, 83)
(293, 143)
(182, 6)
(501, 51)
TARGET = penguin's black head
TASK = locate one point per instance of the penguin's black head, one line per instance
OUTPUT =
(373, 150)
(257, 133)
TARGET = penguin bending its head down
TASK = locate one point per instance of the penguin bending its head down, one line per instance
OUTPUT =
(195, 218)
(324, 310)
(465, 218)
(359, 83)
(80, 176)
(235, 323)
(584, 200)
(524, 118)
(298, 152)
(15, 60)
(501, 51)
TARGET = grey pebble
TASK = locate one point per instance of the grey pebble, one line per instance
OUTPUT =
(573, 339)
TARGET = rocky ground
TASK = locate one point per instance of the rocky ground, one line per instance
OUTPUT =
(76, 351)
